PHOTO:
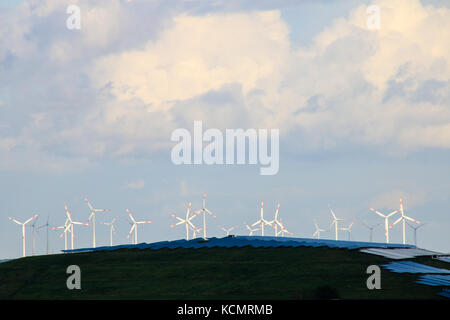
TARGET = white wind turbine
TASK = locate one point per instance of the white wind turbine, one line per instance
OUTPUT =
(318, 230)
(386, 221)
(187, 221)
(371, 228)
(403, 218)
(205, 211)
(348, 229)
(33, 226)
(227, 231)
(65, 233)
(275, 223)
(134, 226)
(250, 229)
(23, 224)
(283, 230)
(69, 225)
(92, 217)
(111, 229)
(262, 222)
(335, 222)
(195, 231)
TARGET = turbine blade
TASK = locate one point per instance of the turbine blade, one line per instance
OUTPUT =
(412, 220)
(392, 213)
(396, 221)
(131, 216)
(90, 206)
(18, 222)
(378, 213)
(131, 230)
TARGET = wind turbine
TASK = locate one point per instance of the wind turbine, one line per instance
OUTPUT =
(111, 229)
(415, 230)
(47, 225)
(134, 226)
(261, 220)
(386, 221)
(205, 211)
(65, 232)
(283, 230)
(187, 221)
(227, 231)
(348, 229)
(403, 218)
(275, 223)
(195, 231)
(335, 222)
(371, 228)
(33, 226)
(250, 229)
(23, 231)
(70, 224)
(92, 216)
(318, 230)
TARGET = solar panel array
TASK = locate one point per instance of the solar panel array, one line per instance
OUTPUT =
(413, 267)
(434, 280)
(243, 241)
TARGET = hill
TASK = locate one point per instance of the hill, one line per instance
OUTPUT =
(211, 273)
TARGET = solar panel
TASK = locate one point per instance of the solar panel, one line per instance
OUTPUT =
(254, 241)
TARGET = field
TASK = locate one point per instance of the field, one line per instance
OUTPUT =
(210, 273)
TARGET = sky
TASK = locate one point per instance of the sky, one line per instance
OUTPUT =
(363, 115)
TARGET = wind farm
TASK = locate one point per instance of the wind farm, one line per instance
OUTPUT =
(195, 223)
(277, 241)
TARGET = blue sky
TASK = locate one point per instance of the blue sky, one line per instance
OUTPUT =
(364, 116)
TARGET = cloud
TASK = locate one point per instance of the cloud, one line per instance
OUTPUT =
(136, 71)
(139, 184)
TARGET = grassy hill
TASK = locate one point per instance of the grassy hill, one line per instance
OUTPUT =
(210, 273)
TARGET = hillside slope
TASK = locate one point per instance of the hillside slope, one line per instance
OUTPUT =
(210, 273)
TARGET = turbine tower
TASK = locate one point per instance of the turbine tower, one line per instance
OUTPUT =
(134, 226)
(111, 229)
(262, 222)
(403, 219)
(187, 221)
(335, 222)
(23, 224)
(386, 221)
(318, 230)
(92, 216)
(205, 211)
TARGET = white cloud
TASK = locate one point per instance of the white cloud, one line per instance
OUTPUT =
(109, 92)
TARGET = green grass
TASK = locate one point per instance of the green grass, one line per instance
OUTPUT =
(209, 273)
